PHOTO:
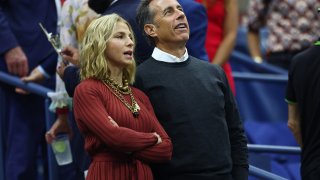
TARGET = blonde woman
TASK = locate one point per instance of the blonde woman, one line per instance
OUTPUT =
(121, 131)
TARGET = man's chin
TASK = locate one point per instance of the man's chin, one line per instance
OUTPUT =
(185, 37)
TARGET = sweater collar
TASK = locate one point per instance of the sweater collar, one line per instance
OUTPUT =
(160, 55)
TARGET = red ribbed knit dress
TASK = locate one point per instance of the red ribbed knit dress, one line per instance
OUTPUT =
(118, 153)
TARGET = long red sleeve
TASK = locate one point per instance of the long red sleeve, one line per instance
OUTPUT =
(92, 100)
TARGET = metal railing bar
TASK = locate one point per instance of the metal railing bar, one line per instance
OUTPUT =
(260, 76)
(260, 173)
(248, 61)
(31, 87)
(274, 149)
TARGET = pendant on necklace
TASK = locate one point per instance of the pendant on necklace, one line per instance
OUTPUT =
(135, 110)
(135, 114)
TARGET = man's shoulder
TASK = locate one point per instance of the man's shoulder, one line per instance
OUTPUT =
(207, 69)
(306, 56)
(148, 62)
(203, 63)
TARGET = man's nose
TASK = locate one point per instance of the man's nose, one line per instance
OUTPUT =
(181, 14)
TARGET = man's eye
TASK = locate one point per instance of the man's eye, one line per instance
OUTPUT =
(168, 12)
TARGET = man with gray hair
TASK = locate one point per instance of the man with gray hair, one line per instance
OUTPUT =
(192, 100)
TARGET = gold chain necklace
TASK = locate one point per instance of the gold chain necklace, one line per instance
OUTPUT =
(134, 107)
(124, 89)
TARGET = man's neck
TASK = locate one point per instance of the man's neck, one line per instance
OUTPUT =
(160, 55)
(175, 50)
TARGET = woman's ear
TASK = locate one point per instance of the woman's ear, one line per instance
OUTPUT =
(150, 30)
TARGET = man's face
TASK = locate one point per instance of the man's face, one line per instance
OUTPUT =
(170, 22)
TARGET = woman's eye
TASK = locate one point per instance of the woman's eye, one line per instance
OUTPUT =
(118, 36)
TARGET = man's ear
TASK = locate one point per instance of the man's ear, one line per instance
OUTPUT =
(150, 30)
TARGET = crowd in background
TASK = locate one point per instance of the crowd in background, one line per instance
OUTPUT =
(25, 52)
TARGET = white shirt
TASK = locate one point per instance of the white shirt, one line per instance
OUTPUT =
(160, 55)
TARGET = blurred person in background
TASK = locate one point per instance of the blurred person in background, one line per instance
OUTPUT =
(292, 27)
(75, 17)
(221, 33)
(26, 53)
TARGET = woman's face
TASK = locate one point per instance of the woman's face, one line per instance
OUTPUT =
(119, 50)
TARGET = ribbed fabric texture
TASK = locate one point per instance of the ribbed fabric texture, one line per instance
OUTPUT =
(118, 152)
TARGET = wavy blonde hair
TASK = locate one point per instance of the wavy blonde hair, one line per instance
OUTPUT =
(93, 61)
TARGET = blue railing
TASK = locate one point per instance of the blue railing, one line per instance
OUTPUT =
(32, 87)
(241, 62)
(256, 148)
(260, 77)
(260, 173)
(42, 91)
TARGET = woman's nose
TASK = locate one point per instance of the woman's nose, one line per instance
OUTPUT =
(130, 42)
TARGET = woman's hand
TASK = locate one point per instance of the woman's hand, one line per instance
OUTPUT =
(61, 125)
(159, 138)
(71, 55)
(113, 122)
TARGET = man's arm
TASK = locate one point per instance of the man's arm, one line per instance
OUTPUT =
(6, 35)
(16, 60)
(254, 45)
(294, 122)
(69, 74)
(71, 79)
(230, 29)
(257, 14)
(237, 137)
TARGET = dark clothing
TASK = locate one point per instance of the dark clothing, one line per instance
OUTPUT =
(196, 107)
(19, 24)
(303, 88)
(71, 78)
(313, 175)
(24, 118)
(99, 6)
(281, 59)
(127, 10)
